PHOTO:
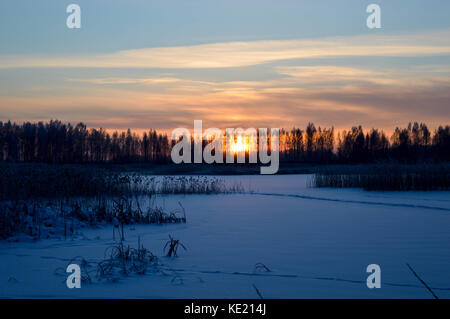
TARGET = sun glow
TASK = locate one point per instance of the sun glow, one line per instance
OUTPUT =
(241, 145)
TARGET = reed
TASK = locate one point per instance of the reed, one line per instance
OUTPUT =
(389, 177)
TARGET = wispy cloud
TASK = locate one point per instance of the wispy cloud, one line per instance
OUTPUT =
(326, 91)
(314, 76)
(239, 54)
(125, 80)
(288, 77)
(380, 106)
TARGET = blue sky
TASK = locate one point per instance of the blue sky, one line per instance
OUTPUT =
(162, 64)
(110, 25)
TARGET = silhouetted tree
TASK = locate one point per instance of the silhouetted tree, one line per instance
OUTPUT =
(57, 142)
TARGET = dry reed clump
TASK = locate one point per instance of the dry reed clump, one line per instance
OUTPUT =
(158, 215)
(118, 261)
(173, 245)
(122, 260)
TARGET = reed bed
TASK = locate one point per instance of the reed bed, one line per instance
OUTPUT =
(42, 201)
(392, 178)
(190, 185)
(62, 218)
(24, 181)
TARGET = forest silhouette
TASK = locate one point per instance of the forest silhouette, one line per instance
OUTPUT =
(58, 142)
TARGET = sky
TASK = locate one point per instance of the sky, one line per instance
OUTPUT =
(250, 63)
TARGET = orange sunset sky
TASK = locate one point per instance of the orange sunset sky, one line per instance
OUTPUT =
(140, 65)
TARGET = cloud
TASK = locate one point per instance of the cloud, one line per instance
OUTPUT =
(314, 76)
(125, 80)
(239, 54)
(371, 106)
(284, 78)
(329, 95)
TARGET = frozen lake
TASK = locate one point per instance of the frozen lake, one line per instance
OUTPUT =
(316, 242)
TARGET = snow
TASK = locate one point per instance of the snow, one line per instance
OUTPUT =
(316, 242)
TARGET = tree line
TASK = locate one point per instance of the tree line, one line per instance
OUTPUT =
(413, 144)
(57, 142)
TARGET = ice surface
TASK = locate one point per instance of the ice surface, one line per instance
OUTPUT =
(316, 242)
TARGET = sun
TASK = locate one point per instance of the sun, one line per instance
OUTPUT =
(240, 145)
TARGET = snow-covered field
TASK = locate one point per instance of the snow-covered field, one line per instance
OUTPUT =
(316, 242)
